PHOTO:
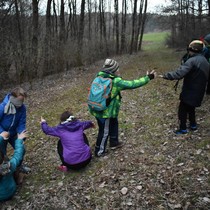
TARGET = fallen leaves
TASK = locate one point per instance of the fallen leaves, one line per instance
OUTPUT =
(155, 169)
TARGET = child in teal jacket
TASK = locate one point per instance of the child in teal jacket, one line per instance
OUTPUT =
(8, 167)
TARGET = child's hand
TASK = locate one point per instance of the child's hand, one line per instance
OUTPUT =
(22, 135)
(5, 135)
(42, 120)
(93, 125)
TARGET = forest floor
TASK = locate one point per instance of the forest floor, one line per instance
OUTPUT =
(155, 169)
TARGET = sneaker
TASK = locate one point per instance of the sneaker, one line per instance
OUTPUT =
(180, 131)
(119, 145)
(62, 168)
(24, 169)
(193, 127)
(101, 155)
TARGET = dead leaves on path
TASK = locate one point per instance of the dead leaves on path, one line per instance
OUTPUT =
(155, 169)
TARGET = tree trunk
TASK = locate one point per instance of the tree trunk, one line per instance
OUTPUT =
(143, 24)
(89, 20)
(81, 24)
(35, 23)
(116, 8)
(55, 20)
(123, 30)
(139, 25)
(47, 67)
(209, 9)
(19, 63)
(62, 23)
(133, 26)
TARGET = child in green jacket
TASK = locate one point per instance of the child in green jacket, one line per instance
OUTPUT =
(108, 119)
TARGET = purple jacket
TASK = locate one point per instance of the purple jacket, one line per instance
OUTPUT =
(71, 135)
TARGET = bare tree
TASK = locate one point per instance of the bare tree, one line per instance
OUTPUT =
(116, 8)
(47, 40)
(62, 22)
(35, 45)
(134, 18)
(123, 29)
(20, 55)
(189, 20)
(208, 9)
(89, 20)
(35, 24)
(81, 31)
(143, 20)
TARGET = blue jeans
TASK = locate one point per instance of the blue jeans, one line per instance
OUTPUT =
(108, 128)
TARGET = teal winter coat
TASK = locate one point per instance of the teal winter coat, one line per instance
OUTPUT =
(7, 182)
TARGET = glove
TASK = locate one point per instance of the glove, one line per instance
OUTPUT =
(151, 76)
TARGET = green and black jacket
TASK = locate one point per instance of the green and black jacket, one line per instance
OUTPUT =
(118, 84)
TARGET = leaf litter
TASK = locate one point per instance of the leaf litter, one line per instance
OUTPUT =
(155, 169)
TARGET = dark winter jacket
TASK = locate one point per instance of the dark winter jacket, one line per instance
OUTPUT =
(195, 72)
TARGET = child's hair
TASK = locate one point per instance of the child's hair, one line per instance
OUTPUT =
(65, 115)
(18, 91)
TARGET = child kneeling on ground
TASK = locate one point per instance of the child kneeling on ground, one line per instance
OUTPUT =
(73, 147)
(8, 173)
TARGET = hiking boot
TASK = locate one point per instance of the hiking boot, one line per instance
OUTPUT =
(18, 176)
(62, 168)
(119, 145)
(180, 131)
(24, 169)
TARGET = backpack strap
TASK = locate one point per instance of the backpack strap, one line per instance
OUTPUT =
(176, 85)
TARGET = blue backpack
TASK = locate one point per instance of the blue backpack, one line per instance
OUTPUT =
(99, 96)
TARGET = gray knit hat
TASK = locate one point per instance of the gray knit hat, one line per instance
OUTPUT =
(110, 65)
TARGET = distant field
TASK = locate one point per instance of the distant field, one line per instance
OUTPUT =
(155, 37)
(154, 40)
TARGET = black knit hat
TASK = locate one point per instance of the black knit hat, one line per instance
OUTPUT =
(196, 46)
(110, 65)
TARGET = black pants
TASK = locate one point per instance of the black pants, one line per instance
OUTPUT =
(208, 86)
(186, 110)
(75, 166)
(108, 128)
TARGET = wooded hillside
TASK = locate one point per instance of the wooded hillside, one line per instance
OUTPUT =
(155, 169)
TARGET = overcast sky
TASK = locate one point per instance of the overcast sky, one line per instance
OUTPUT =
(152, 4)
